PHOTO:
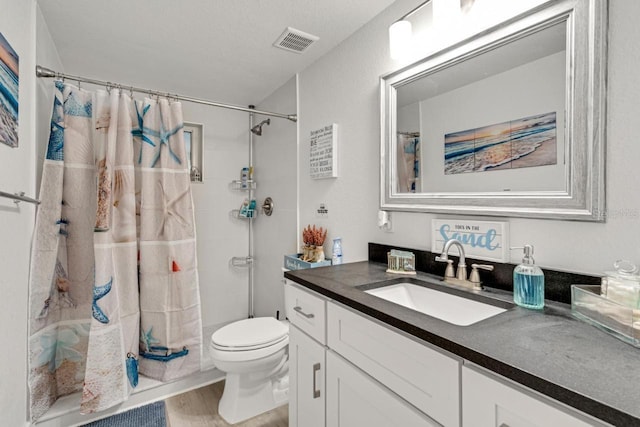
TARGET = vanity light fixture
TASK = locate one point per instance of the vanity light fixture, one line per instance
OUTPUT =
(400, 32)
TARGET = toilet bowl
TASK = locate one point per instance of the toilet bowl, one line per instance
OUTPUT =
(254, 355)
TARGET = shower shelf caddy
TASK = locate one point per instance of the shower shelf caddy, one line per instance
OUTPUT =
(238, 185)
(235, 213)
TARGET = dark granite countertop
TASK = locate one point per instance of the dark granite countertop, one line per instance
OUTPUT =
(548, 351)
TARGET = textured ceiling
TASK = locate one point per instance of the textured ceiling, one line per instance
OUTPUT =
(219, 50)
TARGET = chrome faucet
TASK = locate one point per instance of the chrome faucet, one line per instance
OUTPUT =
(460, 277)
(461, 271)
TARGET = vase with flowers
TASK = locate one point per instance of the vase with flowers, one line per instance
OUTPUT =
(313, 239)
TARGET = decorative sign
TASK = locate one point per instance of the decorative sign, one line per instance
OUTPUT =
(323, 155)
(485, 240)
(322, 211)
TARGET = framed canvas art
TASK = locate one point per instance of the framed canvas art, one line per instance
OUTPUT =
(9, 79)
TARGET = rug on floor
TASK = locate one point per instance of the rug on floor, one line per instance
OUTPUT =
(152, 415)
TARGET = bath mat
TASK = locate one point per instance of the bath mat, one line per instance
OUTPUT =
(152, 415)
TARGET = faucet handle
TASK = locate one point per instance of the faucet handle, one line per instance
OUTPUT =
(474, 277)
(448, 272)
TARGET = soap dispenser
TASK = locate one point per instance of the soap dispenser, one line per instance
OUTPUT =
(528, 282)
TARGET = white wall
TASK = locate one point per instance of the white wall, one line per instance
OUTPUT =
(223, 289)
(275, 159)
(17, 24)
(342, 87)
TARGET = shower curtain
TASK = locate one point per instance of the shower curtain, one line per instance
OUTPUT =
(408, 162)
(113, 284)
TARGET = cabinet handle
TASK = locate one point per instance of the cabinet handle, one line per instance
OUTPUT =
(316, 368)
(299, 310)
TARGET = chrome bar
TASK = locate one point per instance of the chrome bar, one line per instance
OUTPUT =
(47, 73)
(19, 197)
(298, 309)
(316, 392)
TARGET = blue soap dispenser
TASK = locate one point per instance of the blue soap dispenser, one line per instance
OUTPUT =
(528, 282)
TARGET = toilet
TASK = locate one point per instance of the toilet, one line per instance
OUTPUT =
(254, 355)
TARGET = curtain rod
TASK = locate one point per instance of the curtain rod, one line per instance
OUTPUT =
(47, 73)
(19, 197)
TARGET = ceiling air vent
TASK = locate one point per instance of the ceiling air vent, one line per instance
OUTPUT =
(294, 40)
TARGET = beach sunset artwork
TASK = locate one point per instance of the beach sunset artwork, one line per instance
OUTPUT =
(521, 143)
(8, 93)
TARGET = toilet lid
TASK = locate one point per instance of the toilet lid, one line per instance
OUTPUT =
(250, 333)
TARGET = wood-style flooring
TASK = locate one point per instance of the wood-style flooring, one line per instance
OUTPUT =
(199, 408)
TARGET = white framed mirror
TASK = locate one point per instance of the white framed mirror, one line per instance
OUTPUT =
(510, 122)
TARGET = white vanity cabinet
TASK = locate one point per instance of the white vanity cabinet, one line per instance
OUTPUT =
(366, 375)
(488, 401)
(349, 370)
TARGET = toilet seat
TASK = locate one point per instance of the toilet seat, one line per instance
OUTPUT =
(248, 348)
(249, 339)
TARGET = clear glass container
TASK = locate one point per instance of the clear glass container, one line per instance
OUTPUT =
(621, 321)
(622, 285)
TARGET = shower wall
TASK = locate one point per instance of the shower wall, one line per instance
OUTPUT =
(275, 160)
(223, 289)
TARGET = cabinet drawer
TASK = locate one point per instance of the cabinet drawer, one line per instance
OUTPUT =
(306, 310)
(489, 402)
(424, 377)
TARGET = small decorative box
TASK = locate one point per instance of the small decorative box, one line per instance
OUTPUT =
(402, 262)
(293, 262)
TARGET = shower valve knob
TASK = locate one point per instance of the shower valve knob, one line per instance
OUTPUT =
(267, 206)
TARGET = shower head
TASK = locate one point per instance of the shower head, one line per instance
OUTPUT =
(257, 129)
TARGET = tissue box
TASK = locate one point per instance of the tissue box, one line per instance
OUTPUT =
(293, 262)
(621, 321)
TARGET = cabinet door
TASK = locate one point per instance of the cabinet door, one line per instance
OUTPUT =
(306, 380)
(355, 400)
(487, 402)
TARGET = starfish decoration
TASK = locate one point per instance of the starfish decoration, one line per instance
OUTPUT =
(141, 131)
(98, 293)
(148, 339)
(74, 107)
(169, 209)
(163, 135)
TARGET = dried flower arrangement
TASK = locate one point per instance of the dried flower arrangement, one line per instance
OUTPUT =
(313, 239)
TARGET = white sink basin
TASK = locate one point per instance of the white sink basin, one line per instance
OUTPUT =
(444, 306)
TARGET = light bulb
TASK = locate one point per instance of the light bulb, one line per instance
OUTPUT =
(400, 35)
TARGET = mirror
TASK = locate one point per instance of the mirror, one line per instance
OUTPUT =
(507, 123)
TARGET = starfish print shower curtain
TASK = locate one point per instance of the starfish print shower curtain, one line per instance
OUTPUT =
(113, 284)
